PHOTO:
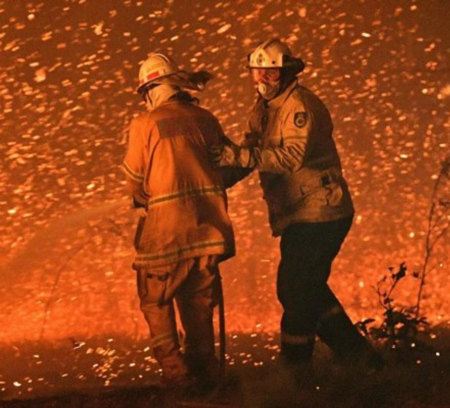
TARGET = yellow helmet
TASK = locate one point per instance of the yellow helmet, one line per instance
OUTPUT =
(274, 54)
(156, 66)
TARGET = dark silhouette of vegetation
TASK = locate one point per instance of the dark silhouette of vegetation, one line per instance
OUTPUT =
(438, 224)
(401, 325)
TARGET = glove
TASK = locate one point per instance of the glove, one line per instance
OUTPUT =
(252, 139)
(231, 155)
(139, 200)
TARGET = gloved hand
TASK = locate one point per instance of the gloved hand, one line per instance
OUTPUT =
(138, 204)
(230, 155)
(252, 139)
(139, 199)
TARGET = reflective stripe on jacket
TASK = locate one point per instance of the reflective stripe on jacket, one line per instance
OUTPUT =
(299, 166)
(167, 166)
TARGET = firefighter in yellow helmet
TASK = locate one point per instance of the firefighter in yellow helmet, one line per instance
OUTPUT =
(186, 231)
(290, 143)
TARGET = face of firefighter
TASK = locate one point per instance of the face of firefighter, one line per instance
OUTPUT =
(158, 94)
(267, 80)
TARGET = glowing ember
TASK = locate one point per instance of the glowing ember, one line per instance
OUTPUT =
(67, 86)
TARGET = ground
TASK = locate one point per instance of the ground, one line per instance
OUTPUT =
(120, 373)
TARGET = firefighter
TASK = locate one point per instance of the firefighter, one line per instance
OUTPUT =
(186, 231)
(290, 143)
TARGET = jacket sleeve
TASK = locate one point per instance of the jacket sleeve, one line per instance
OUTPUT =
(134, 164)
(296, 125)
(230, 175)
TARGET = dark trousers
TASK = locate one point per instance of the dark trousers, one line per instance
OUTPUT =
(310, 308)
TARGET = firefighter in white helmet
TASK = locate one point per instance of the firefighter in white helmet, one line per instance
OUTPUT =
(290, 143)
(186, 231)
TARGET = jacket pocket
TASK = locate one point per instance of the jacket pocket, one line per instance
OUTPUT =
(334, 195)
(152, 287)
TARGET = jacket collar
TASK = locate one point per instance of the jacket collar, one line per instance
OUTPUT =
(278, 101)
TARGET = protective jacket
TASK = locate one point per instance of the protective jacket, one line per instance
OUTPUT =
(299, 166)
(168, 169)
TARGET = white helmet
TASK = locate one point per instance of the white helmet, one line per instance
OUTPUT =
(156, 66)
(274, 54)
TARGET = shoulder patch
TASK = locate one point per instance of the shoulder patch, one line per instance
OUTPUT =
(300, 119)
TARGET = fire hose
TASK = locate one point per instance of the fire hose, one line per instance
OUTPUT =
(222, 333)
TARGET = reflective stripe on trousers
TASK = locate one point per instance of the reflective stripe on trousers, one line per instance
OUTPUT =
(309, 305)
(296, 340)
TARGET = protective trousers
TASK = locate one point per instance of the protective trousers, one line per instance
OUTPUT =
(194, 285)
(310, 307)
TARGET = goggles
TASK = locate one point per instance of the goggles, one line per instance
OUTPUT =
(265, 74)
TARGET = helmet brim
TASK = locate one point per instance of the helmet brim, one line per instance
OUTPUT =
(157, 81)
(294, 63)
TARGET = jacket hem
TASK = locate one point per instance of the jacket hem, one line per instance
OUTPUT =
(210, 248)
(311, 217)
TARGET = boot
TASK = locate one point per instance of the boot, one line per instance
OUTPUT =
(207, 372)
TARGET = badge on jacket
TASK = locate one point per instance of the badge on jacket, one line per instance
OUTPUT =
(300, 119)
